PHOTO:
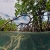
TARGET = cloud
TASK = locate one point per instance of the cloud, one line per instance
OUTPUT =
(6, 0)
(7, 7)
(19, 20)
(22, 20)
(4, 16)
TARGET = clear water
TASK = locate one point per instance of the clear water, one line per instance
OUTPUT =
(24, 40)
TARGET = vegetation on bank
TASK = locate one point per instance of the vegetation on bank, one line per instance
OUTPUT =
(7, 27)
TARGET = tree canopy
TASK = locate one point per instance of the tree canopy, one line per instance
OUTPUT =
(35, 7)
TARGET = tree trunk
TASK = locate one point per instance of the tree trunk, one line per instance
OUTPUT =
(40, 21)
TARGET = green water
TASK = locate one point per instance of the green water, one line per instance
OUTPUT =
(24, 40)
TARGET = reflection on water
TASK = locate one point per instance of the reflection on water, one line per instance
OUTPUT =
(24, 41)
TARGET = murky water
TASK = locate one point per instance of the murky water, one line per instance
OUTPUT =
(24, 41)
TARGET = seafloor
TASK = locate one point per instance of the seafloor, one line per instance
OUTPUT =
(24, 40)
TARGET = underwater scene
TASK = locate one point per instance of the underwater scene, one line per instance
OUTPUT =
(24, 40)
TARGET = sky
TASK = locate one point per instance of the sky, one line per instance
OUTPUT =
(7, 7)
(7, 10)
